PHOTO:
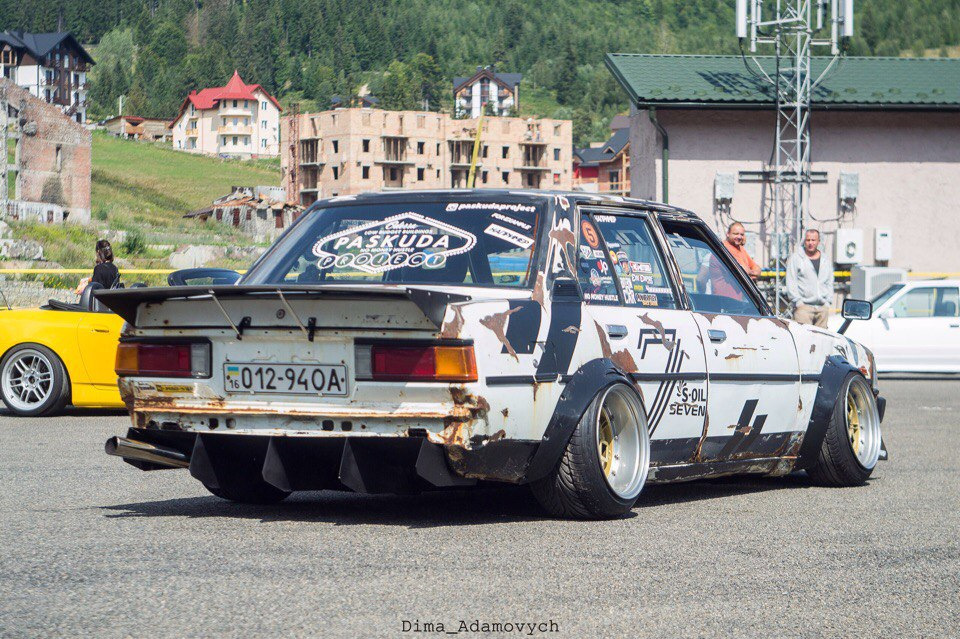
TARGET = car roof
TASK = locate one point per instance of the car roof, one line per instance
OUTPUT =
(577, 197)
(931, 282)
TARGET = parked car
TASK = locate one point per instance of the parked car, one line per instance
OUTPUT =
(63, 353)
(915, 328)
(407, 341)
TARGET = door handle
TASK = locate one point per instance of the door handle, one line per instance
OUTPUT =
(616, 331)
(955, 326)
(100, 329)
(716, 336)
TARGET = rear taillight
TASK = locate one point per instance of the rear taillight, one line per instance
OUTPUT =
(163, 359)
(389, 363)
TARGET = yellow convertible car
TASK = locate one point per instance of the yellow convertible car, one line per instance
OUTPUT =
(62, 353)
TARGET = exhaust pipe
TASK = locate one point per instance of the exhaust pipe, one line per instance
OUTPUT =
(141, 451)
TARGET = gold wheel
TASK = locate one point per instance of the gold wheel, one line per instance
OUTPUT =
(605, 439)
(853, 425)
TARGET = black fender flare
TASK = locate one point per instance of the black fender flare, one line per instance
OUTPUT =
(834, 371)
(583, 386)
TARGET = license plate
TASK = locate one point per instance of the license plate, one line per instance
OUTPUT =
(288, 379)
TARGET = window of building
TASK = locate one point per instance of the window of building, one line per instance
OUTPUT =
(556, 130)
(393, 174)
(438, 148)
(483, 177)
(263, 105)
(336, 173)
(556, 155)
(483, 150)
(333, 119)
(263, 143)
(438, 174)
(420, 146)
(556, 178)
(336, 146)
(505, 152)
(59, 157)
(234, 104)
(249, 215)
(234, 140)
(365, 172)
(421, 121)
(366, 146)
(420, 174)
(505, 176)
(263, 124)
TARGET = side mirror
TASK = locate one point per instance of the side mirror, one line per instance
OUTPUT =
(857, 309)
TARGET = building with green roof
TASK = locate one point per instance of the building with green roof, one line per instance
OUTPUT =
(885, 146)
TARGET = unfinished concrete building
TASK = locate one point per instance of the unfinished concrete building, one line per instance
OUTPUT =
(354, 150)
(48, 179)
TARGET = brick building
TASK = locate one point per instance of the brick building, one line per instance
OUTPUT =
(260, 211)
(51, 159)
(355, 150)
(137, 128)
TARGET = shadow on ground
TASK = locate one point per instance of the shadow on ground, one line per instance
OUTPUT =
(435, 509)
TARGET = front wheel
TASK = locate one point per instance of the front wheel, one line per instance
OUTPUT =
(851, 446)
(605, 464)
(33, 381)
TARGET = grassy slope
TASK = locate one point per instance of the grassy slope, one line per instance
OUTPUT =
(146, 188)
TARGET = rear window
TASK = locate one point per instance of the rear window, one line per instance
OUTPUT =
(456, 243)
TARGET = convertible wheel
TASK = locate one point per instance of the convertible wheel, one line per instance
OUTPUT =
(604, 467)
(851, 446)
(254, 491)
(33, 381)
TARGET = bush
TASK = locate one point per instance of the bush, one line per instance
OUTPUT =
(134, 243)
(100, 213)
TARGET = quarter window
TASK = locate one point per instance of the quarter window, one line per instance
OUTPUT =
(708, 277)
(619, 249)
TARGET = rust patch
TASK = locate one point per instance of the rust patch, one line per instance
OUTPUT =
(537, 295)
(497, 324)
(505, 412)
(483, 407)
(622, 358)
(800, 405)
(604, 342)
(649, 321)
(500, 434)
(745, 430)
(455, 434)
(564, 236)
(536, 387)
(571, 329)
(452, 328)
(733, 356)
(813, 348)
(698, 452)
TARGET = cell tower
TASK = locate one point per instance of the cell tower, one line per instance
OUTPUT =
(793, 28)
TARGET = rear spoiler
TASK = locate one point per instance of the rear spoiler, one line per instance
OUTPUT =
(124, 302)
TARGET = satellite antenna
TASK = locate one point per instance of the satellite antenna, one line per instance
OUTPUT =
(792, 28)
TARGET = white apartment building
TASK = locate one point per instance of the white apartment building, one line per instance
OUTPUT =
(51, 66)
(236, 120)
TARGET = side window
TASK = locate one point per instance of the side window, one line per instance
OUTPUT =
(619, 249)
(933, 301)
(710, 281)
(593, 268)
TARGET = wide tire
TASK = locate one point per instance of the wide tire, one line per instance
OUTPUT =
(611, 439)
(851, 446)
(33, 381)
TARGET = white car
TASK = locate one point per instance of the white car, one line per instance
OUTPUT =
(407, 341)
(915, 328)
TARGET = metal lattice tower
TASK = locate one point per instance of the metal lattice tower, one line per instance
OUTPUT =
(793, 28)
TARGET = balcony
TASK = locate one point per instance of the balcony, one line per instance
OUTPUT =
(192, 133)
(231, 129)
(236, 110)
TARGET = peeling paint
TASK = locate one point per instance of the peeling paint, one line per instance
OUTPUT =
(622, 358)
(497, 323)
(649, 321)
(571, 329)
(505, 412)
(537, 295)
(733, 356)
(451, 330)
(698, 452)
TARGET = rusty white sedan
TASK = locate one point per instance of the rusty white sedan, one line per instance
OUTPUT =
(408, 341)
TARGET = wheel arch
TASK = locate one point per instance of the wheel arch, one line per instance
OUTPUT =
(832, 375)
(579, 391)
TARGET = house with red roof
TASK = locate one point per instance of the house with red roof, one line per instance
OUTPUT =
(236, 120)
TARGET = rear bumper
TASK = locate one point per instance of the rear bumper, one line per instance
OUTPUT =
(360, 464)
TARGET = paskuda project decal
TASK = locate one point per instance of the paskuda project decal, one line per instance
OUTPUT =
(407, 239)
(505, 234)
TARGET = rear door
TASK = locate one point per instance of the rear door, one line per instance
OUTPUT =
(754, 385)
(643, 327)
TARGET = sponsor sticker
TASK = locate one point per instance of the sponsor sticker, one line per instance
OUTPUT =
(594, 278)
(605, 219)
(510, 220)
(489, 206)
(601, 297)
(602, 266)
(648, 300)
(662, 290)
(406, 239)
(587, 253)
(174, 388)
(589, 234)
(507, 235)
(598, 253)
(643, 279)
(641, 267)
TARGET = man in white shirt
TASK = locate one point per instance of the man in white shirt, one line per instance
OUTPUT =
(810, 282)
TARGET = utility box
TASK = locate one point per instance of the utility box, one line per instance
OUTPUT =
(723, 187)
(848, 246)
(866, 282)
(882, 245)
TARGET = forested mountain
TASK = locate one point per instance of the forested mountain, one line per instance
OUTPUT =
(154, 51)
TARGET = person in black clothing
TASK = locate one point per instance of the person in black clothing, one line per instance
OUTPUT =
(105, 273)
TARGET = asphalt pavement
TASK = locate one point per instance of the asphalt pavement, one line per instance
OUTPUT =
(92, 547)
